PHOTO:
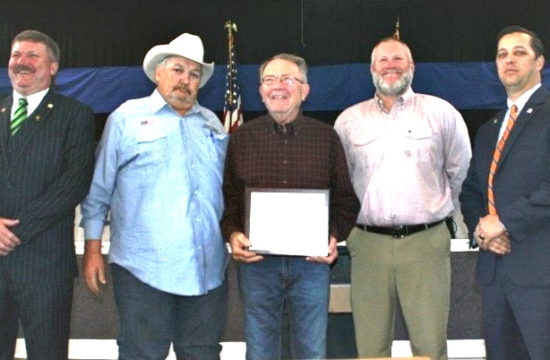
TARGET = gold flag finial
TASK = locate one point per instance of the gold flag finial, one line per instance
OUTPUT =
(396, 33)
(230, 26)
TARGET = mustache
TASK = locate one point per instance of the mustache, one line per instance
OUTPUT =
(22, 67)
(183, 88)
(391, 71)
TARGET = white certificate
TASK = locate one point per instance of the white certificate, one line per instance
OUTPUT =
(288, 221)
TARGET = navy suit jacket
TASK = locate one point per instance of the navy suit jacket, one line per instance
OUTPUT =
(45, 171)
(522, 193)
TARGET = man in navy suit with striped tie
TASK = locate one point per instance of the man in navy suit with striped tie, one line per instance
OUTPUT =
(506, 205)
(47, 144)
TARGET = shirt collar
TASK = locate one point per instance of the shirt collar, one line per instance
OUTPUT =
(211, 121)
(400, 100)
(33, 100)
(522, 100)
(291, 128)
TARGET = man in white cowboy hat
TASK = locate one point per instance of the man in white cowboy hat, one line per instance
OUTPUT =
(159, 171)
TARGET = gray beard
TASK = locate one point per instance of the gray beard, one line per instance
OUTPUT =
(396, 89)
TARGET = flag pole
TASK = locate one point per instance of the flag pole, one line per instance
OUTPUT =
(230, 26)
(396, 33)
(232, 110)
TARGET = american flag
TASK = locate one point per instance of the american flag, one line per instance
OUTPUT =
(232, 111)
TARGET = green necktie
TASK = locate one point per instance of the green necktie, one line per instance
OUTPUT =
(19, 116)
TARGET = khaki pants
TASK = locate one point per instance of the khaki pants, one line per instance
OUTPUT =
(416, 271)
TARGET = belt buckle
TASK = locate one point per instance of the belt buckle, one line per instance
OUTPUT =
(399, 232)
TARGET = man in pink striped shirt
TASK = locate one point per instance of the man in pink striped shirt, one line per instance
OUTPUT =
(407, 154)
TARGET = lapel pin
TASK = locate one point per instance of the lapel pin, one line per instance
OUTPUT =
(37, 118)
(50, 106)
(530, 110)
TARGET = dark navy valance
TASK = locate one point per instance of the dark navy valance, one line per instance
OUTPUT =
(467, 85)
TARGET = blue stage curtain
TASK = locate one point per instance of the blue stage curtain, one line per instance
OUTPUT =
(466, 85)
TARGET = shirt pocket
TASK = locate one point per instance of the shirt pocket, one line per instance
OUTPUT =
(418, 143)
(362, 141)
(219, 142)
(152, 146)
(367, 150)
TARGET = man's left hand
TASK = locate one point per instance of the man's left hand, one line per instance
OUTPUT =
(489, 227)
(332, 253)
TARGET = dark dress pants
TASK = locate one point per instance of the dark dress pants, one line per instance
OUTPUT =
(44, 309)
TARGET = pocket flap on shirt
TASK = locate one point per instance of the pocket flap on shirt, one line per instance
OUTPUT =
(418, 133)
(364, 139)
(149, 130)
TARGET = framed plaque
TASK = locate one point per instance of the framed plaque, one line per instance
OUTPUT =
(287, 221)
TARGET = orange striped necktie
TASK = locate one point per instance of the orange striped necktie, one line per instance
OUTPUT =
(496, 157)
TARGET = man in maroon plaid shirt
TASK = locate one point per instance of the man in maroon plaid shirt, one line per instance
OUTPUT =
(285, 149)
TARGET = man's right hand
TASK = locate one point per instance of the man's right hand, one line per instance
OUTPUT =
(239, 248)
(8, 240)
(93, 266)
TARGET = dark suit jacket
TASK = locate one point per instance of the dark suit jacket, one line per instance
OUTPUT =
(45, 171)
(522, 193)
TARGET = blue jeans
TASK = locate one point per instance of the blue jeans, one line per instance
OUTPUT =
(151, 319)
(265, 287)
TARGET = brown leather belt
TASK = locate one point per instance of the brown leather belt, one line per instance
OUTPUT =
(400, 231)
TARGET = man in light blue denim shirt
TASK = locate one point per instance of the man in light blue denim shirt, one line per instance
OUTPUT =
(159, 173)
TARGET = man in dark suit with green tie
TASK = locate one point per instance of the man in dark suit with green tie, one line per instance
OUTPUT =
(47, 147)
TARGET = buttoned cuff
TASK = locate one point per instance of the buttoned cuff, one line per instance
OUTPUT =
(93, 229)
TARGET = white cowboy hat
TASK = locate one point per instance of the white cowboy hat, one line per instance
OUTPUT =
(186, 45)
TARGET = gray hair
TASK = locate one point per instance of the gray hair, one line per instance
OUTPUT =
(295, 59)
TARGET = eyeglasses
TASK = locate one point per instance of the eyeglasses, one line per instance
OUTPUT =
(286, 80)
